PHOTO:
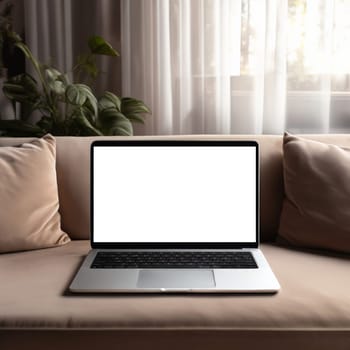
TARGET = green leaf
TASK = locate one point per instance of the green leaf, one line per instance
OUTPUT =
(45, 123)
(100, 46)
(20, 128)
(92, 100)
(136, 118)
(113, 122)
(87, 63)
(22, 88)
(134, 110)
(52, 73)
(75, 95)
(109, 100)
(89, 129)
(79, 94)
(56, 81)
(89, 112)
(24, 48)
(131, 105)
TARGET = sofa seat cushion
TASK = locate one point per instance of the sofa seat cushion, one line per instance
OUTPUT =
(33, 294)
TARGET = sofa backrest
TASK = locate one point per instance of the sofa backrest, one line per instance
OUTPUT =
(73, 175)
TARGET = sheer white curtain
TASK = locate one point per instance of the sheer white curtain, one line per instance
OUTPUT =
(238, 66)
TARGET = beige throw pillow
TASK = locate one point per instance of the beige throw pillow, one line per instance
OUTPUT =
(316, 208)
(29, 217)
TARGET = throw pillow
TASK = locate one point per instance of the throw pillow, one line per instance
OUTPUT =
(316, 208)
(29, 217)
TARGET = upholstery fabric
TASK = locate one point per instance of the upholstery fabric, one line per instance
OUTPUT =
(311, 311)
(29, 217)
(314, 296)
(73, 173)
(74, 182)
(316, 207)
(73, 176)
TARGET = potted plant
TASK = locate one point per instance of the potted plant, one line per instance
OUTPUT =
(65, 107)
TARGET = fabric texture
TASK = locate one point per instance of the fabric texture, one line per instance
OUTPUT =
(311, 311)
(314, 295)
(316, 207)
(29, 217)
(58, 30)
(73, 176)
(236, 67)
(74, 181)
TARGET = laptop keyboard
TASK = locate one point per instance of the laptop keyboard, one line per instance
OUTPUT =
(172, 260)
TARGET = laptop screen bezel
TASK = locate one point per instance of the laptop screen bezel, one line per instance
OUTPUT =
(173, 245)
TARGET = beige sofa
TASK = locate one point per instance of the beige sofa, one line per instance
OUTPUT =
(312, 310)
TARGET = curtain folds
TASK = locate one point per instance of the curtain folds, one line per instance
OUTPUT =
(243, 66)
(57, 31)
(48, 31)
(211, 66)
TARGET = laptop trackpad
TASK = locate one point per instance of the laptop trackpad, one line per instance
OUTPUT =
(176, 279)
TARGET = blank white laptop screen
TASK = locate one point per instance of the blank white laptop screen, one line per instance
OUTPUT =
(174, 194)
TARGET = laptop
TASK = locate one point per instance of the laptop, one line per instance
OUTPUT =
(173, 216)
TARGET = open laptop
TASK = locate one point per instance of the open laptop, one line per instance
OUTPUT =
(175, 216)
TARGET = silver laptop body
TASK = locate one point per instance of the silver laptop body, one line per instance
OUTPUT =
(179, 197)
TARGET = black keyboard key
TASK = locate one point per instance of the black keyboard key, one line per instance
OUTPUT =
(169, 260)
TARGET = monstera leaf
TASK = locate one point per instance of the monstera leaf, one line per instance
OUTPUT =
(22, 88)
(86, 126)
(80, 94)
(116, 114)
(56, 81)
(100, 46)
(64, 107)
(109, 100)
(134, 109)
(113, 122)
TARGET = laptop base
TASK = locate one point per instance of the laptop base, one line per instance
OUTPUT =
(260, 280)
